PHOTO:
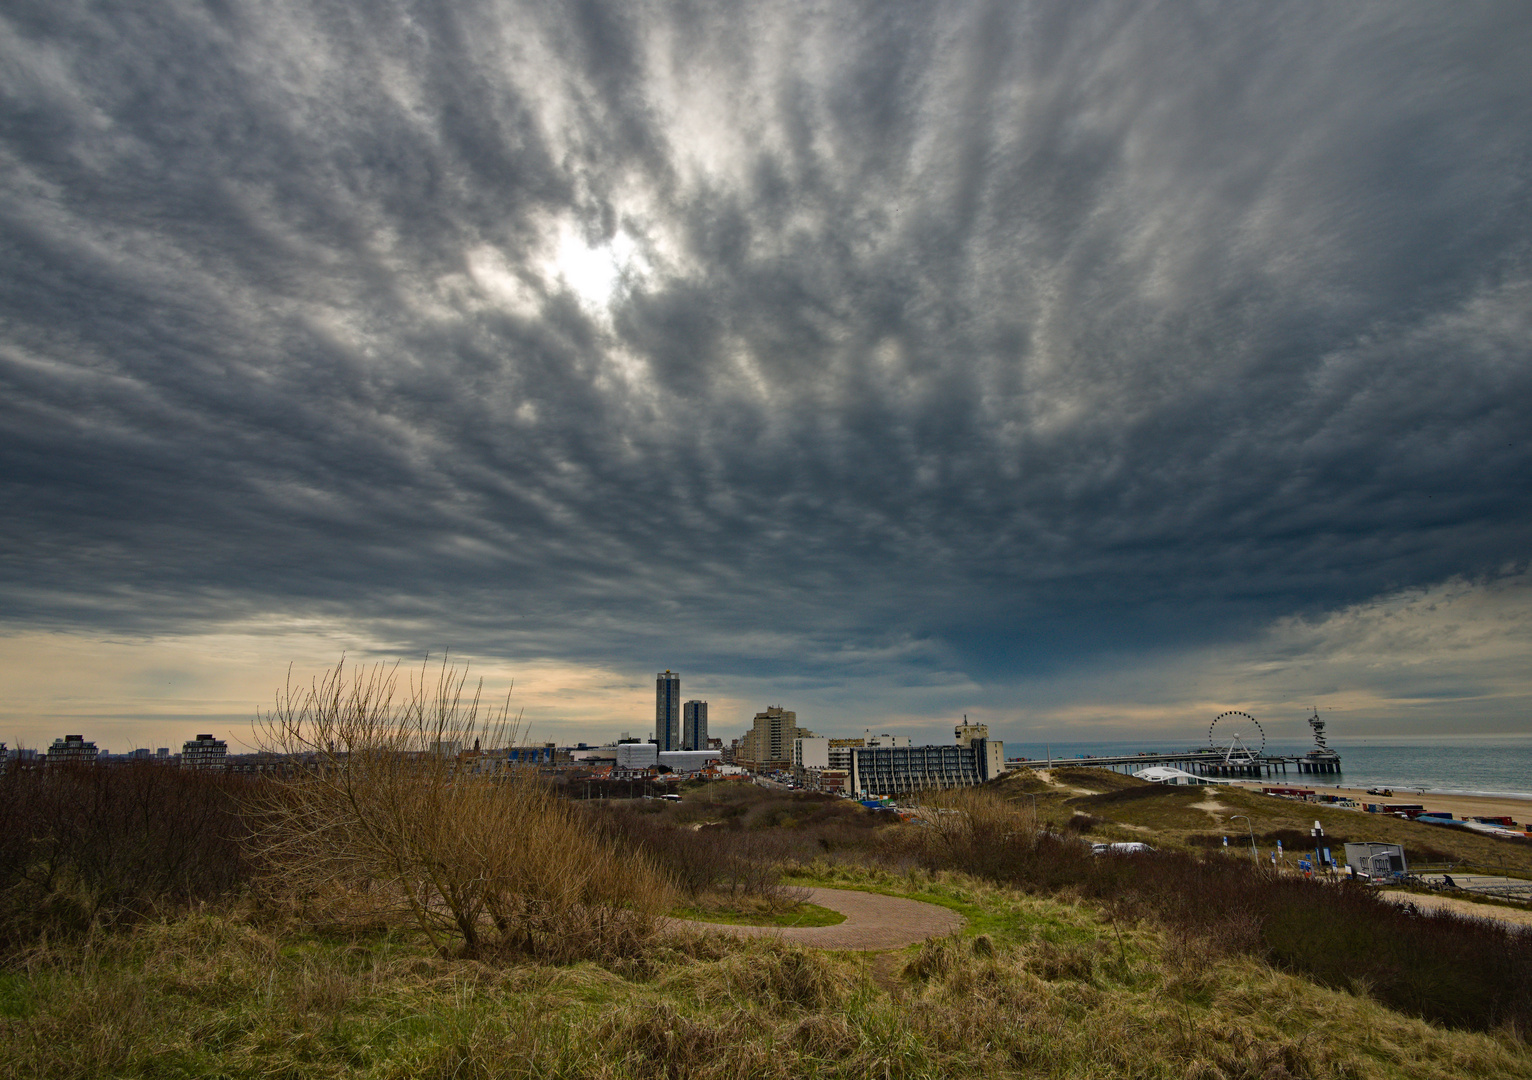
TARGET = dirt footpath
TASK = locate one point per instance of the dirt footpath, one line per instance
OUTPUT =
(1425, 902)
(873, 921)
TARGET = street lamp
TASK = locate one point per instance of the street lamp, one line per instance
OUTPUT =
(1254, 855)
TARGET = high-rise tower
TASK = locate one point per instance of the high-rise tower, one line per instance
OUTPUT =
(694, 725)
(667, 709)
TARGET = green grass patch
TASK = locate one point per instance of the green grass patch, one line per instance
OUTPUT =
(1004, 916)
(801, 915)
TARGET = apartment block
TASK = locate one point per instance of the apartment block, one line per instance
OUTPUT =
(769, 742)
(667, 710)
(72, 750)
(898, 770)
(204, 752)
(694, 726)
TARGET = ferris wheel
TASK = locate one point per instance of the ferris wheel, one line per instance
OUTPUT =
(1238, 736)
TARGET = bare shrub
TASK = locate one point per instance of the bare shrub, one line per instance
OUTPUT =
(740, 866)
(98, 845)
(383, 818)
(974, 829)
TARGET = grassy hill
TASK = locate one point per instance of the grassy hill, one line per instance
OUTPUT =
(1110, 806)
(1034, 987)
(1182, 964)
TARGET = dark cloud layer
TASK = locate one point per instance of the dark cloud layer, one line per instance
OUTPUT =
(721, 334)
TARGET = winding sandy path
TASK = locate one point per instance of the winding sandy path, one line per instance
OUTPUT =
(1494, 912)
(873, 921)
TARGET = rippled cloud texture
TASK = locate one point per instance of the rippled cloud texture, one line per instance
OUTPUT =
(918, 343)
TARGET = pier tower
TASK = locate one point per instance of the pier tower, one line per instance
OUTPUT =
(1321, 759)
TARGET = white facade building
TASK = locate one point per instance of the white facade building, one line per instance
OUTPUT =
(637, 755)
(811, 753)
(689, 761)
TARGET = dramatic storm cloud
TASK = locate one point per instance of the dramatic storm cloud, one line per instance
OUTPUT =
(936, 344)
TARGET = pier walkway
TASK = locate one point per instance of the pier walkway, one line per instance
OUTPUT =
(1204, 762)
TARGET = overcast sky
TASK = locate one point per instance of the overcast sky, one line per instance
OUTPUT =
(1090, 368)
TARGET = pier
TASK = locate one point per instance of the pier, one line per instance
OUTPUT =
(1236, 748)
(1203, 762)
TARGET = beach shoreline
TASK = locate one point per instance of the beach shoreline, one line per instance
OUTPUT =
(1517, 808)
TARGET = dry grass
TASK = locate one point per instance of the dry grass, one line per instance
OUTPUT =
(1056, 994)
(382, 823)
(1038, 984)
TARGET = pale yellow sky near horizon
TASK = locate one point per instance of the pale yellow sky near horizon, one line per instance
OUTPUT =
(1390, 666)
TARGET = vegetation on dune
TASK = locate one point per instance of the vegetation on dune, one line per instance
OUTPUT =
(84, 848)
(379, 823)
(380, 913)
(1461, 972)
(1200, 818)
(1046, 989)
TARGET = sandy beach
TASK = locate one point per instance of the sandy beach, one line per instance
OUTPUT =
(1459, 806)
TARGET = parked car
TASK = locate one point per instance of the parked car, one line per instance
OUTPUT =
(1125, 847)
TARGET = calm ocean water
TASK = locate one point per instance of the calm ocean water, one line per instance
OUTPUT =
(1494, 765)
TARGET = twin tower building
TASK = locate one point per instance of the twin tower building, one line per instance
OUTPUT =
(677, 726)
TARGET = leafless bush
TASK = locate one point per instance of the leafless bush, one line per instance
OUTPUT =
(972, 828)
(97, 845)
(384, 818)
(737, 864)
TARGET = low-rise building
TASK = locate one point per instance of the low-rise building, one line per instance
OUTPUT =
(1376, 861)
(632, 756)
(687, 762)
(1164, 774)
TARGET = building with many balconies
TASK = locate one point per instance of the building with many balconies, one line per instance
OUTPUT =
(204, 752)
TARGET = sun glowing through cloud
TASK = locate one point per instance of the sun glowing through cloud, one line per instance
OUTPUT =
(594, 273)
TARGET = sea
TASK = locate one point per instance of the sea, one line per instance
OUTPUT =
(1498, 765)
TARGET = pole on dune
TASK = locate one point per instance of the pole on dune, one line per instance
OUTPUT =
(1254, 855)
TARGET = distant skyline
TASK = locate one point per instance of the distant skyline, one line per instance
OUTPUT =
(1086, 369)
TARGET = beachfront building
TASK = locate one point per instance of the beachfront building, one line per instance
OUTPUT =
(898, 770)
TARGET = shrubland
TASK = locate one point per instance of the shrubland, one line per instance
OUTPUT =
(376, 913)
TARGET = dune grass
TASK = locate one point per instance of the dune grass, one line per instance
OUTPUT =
(1129, 806)
(1056, 973)
(1051, 990)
